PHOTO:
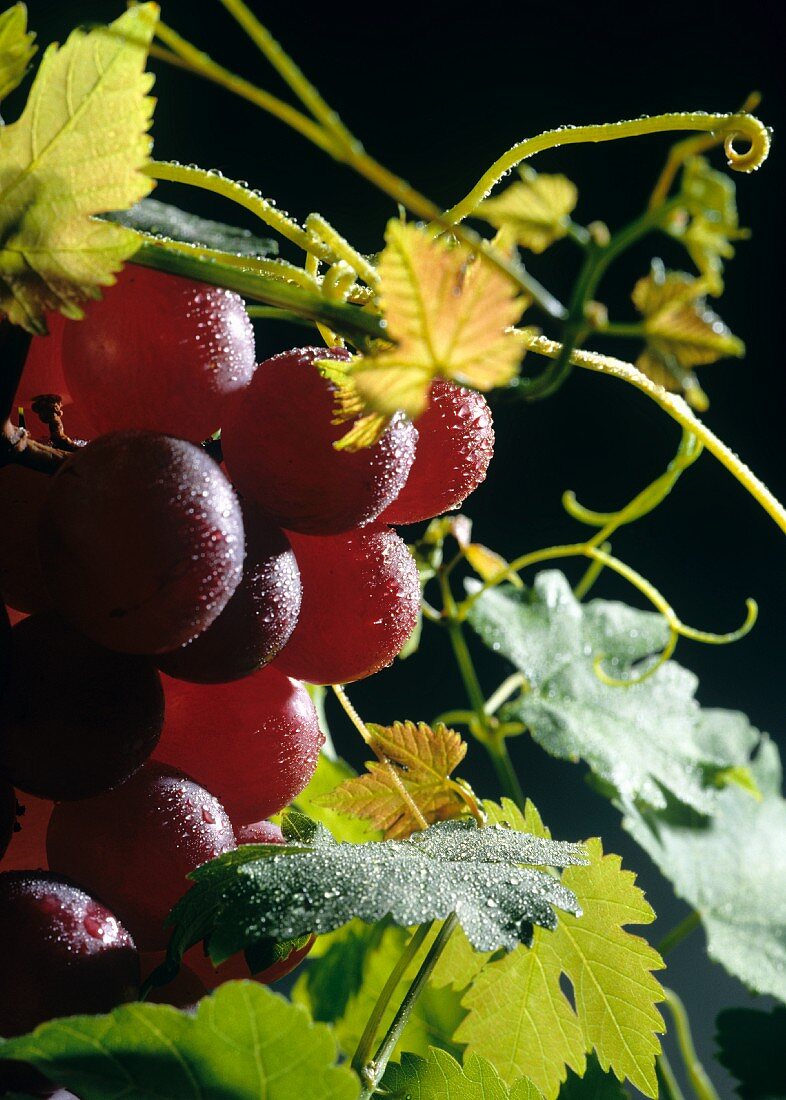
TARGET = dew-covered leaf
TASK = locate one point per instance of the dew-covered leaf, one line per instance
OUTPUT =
(729, 867)
(709, 223)
(751, 1045)
(447, 314)
(164, 220)
(77, 150)
(681, 331)
(242, 1042)
(535, 211)
(642, 738)
(438, 1076)
(16, 48)
(519, 1017)
(282, 892)
(434, 1017)
(424, 759)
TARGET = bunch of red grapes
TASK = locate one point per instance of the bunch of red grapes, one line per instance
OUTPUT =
(167, 608)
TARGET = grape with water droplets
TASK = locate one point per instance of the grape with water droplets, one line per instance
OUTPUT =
(133, 846)
(278, 437)
(254, 743)
(61, 952)
(76, 718)
(23, 494)
(159, 352)
(361, 596)
(259, 618)
(259, 832)
(142, 541)
(455, 446)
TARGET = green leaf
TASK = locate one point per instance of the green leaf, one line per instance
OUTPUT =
(269, 891)
(162, 219)
(438, 1076)
(534, 212)
(751, 1045)
(333, 973)
(16, 48)
(730, 869)
(520, 1018)
(434, 1018)
(242, 1042)
(710, 200)
(329, 775)
(595, 1084)
(642, 738)
(77, 150)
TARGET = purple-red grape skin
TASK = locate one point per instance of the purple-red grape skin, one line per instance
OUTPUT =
(455, 447)
(7, 815)
(259, 832)
(43, 370)
(277, 440)
(23, 494)
(134, 845)
(159, 352)
(76, 718)
(27, 850)
(258, 620)
(361, 595)
(141, 541)
(61, 952)
(255, 743)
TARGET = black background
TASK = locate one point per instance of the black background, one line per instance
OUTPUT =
(437, 91)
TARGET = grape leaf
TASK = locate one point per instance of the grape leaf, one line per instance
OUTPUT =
(438, 1076)
(16, 48)
(243, 1041)
(520, 1019)
(535, 211)
(77, 150)
(729, 869)
(317, 885)
(751, 1046)
(424, 758)
(447, 314)
(333, 973)
(434, 1017)
(640, 738)
(163, 219)
(710, 200)
(330, 774)
(681, 331)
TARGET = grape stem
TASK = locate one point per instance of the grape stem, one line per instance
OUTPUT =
(697, 1075)
(16, 446)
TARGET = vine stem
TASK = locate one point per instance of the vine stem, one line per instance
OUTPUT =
(372, 1072)
(364, 732)
(697, 1075)
(732, 124)
(668, 1082)
(677, 409)
(365, 1046)
(677, 934)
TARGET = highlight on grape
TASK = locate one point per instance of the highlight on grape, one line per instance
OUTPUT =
(204, 550)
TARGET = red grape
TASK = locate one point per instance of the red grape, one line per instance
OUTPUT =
(259, 832)
(22, 497)
(259, 618)
(143, 541)
(361, 596)
(255, 743)
(43, 370)
(61, 952)
(278, 437)
(159, 352)
(76, 717)
(134, 845)
(455, 445)
(27, 850)
(183, 991)
(7, 815)
(236, 968)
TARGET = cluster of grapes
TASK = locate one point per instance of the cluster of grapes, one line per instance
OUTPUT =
(167, 609)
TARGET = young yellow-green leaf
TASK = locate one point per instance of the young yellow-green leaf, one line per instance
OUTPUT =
(438, 1076)
(242, 1041)
(534, 212)
(424, 759)
(681, 332)
(447, 314)
(77, 150)
(520, 1019)
(16, 48)
(488, 564)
